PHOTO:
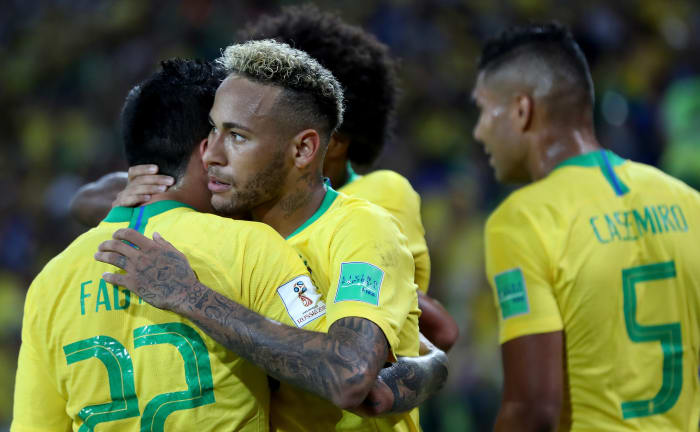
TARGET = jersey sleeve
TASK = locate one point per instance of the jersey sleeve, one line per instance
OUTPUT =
(372, 273)
(34, 381)
(520, 273)
(279, 283)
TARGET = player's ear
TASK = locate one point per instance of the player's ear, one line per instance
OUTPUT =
(523, 111)
(307, 147)
(203, 148)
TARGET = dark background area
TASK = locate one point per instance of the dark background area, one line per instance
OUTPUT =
(66, 66)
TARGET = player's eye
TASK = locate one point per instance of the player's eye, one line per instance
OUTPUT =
(237, 137)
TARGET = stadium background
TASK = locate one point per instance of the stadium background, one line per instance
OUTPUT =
(65, 68)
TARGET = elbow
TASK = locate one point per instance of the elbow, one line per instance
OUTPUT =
(354, 389)
(447, 337)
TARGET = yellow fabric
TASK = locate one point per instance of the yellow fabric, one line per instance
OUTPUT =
(392, 192)
(244, 261)
(354, 230)
(575, 241)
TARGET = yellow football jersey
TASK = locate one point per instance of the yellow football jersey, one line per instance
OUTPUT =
(358, 259)
(604, 249)
(94, 355)
(392, 192)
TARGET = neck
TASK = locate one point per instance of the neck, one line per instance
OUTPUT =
(185, 192)
(337, 171)
(556, 146)
(294, 207)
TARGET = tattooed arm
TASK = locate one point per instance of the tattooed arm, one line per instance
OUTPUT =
(407, 383)
(341, 365)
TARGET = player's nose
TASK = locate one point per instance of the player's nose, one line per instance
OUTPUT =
(213, 152)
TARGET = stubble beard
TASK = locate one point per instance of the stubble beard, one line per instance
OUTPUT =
(262, 187)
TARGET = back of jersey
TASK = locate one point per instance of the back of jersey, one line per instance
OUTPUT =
(96, 356)
(615, 243)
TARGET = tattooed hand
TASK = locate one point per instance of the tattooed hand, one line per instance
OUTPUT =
(156, 271)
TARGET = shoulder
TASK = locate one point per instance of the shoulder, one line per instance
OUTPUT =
(384, 187)
(356, 210)
(525, 204)
(647, 174)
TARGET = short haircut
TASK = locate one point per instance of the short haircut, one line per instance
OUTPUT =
(554, 50)
(311, 94)
(166, 116)
(356, 58)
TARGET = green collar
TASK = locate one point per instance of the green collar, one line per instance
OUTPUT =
(139, 216)
(592, 159)
(605, 160)
(328, 199)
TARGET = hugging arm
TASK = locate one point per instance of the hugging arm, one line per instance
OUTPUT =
(407, 383)
(341, 365)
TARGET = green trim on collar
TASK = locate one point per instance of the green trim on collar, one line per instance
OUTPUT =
(119, 214)
(126, 214)
(605, 160)
(328, 199)
(592, 159)
(352, 175)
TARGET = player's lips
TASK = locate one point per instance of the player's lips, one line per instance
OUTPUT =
(217, 185)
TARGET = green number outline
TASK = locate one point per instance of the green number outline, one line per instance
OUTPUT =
(120, 372)
(669, 335)
(200, 385)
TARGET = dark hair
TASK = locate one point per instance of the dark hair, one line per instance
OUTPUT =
(166, 116)
(356, 58)
(551, 42)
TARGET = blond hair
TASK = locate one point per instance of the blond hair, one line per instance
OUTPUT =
(277, 63)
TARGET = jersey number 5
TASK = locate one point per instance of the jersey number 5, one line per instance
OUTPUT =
(669, 335)
(120, 372)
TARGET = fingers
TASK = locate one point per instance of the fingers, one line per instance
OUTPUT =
(160, 240)
(113, 258)
(139, 170)
(133, 236)
(151, 180)
(116, 279)
(118, 247)
(129, 200)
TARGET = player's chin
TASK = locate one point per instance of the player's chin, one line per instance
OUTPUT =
(221, 202)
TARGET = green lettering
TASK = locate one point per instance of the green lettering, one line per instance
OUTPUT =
(115, 296)
(625, 223)
(612, 228)
(682, 226)
(83, 296)
(102, 297)
(643, 223)
(663, 211)
(595, 230)
(656, 216)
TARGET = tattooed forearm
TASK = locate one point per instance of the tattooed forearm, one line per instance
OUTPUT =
(413, 380)
(340, 366)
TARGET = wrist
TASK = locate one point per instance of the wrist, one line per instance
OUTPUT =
(193, 297)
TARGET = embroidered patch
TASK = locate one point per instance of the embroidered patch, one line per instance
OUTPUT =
(512, 293)
(359, 281)
(302, 300)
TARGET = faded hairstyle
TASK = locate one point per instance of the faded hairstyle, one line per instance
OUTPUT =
(313, 96)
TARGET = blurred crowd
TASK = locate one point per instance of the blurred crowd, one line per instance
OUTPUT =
(67, 66)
